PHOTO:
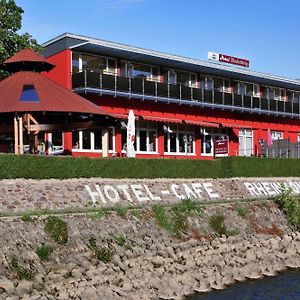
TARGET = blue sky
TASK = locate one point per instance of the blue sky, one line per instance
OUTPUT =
(266, 32)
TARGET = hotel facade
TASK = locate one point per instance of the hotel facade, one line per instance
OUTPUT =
(184, 108)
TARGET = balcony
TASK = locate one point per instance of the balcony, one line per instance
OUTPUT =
(140, 88)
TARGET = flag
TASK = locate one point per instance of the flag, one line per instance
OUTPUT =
(269, 139)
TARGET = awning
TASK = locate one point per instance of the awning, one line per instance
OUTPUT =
(235, 126)
(203, 123)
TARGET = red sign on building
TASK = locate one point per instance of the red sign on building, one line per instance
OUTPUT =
(234, 60)
(221, 146)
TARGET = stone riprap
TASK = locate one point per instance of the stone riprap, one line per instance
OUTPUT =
(151, 264)
(19, 194)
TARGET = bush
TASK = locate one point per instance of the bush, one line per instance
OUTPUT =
(44, 252)
(26, 217)
(57, 228)
(290, 205)
(216, 222)
(175, 219)
(241, 210)
(21, 271)
(102, 253)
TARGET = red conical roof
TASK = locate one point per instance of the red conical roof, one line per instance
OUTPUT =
(51, 96)
(26, 60)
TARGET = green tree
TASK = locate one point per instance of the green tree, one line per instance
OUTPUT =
(10, 40)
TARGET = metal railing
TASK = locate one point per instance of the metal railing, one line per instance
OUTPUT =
(141, 88)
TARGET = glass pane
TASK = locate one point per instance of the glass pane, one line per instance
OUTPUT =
(93, 63)
(155, 73)
(166, 137)
(271, 93)
(276, 93)
(264, 92)
(218, 84)
(256, 92)
(123, 68)
(172, 77)
(182, 142)
(75, 62)
(86, 140)
(173, 142)
(209, 83)
(242, 88)
(29, 94)
(208, 144)
(249, 89)
(290, 95)
(190, 139)
(152, 140)
(111, 66)
(110, 139)
(57, 139)
(183, 78)
(282, 94)
(75, 139)
(143, 140)
(226, 85)
(124, 139)
(98, 139)
(202, 82)
(140, 71)
(165, 75)
(235, 86)
(248, 150)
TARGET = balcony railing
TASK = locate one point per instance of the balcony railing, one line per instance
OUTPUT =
(144, 89)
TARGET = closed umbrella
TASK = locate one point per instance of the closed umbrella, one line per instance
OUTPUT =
(131, 134)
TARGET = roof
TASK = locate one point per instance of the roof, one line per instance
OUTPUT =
(98, 46)
(48, 96)
(27, 60)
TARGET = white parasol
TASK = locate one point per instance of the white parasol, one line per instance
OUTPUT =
(131, 134)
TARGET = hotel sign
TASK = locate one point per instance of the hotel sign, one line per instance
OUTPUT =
(221, 146)
(242, 62)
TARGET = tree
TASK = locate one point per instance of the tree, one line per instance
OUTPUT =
(10, 40)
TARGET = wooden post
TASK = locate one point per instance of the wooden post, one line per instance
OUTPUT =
(16, 135)
(105, 143)
(21, 150)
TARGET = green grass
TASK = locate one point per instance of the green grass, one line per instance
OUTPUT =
(175, 219)
(290, 206)
(26, 217)
(21, 271)
(216, 222)
(44, 252)
(41, 167)
(102, 253)
(57, 228)
(242, 211)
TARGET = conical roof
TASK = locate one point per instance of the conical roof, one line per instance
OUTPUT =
(26, 60)
(30, 91)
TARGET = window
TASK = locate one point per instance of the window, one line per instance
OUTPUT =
(81, 62)
(276, 135)
(298, 137)
(172, 77)
(245, 142)
(256, 90)
(92, 140)
(128, 69)
(227, 88)
(75, 62)
(218, 84)
(29, 94)
(208, 136)
(146, 137)
(179, 139)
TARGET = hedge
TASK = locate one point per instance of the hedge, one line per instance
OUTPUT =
(41, 167)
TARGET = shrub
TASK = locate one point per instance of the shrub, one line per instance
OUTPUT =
(121, 210)
(120, 240)
(241, 210)
(290, 205)
(21, 271)
(175, 219)
(57, 228)
(216, 222)
(26, 217)
(100, 214)
(44, 252)
(102, 253)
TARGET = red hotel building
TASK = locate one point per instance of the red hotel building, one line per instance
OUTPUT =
(181, 105)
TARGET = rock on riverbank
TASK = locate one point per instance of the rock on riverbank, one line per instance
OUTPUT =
(149, 263)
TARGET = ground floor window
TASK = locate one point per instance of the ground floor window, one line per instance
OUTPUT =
(55, 143)
(246, 142)
(179, 139)
(146, 137)
(91, 140)
(276, 135)
(208, 137)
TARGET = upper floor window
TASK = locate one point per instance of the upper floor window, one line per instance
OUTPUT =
(273, 93)
(128, 69)
(81, 62)
(293, 96)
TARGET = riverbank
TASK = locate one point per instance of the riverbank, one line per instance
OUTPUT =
(131, 254)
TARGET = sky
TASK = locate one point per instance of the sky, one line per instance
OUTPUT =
(267, 32)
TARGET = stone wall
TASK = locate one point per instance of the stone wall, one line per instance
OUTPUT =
(19, 195)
